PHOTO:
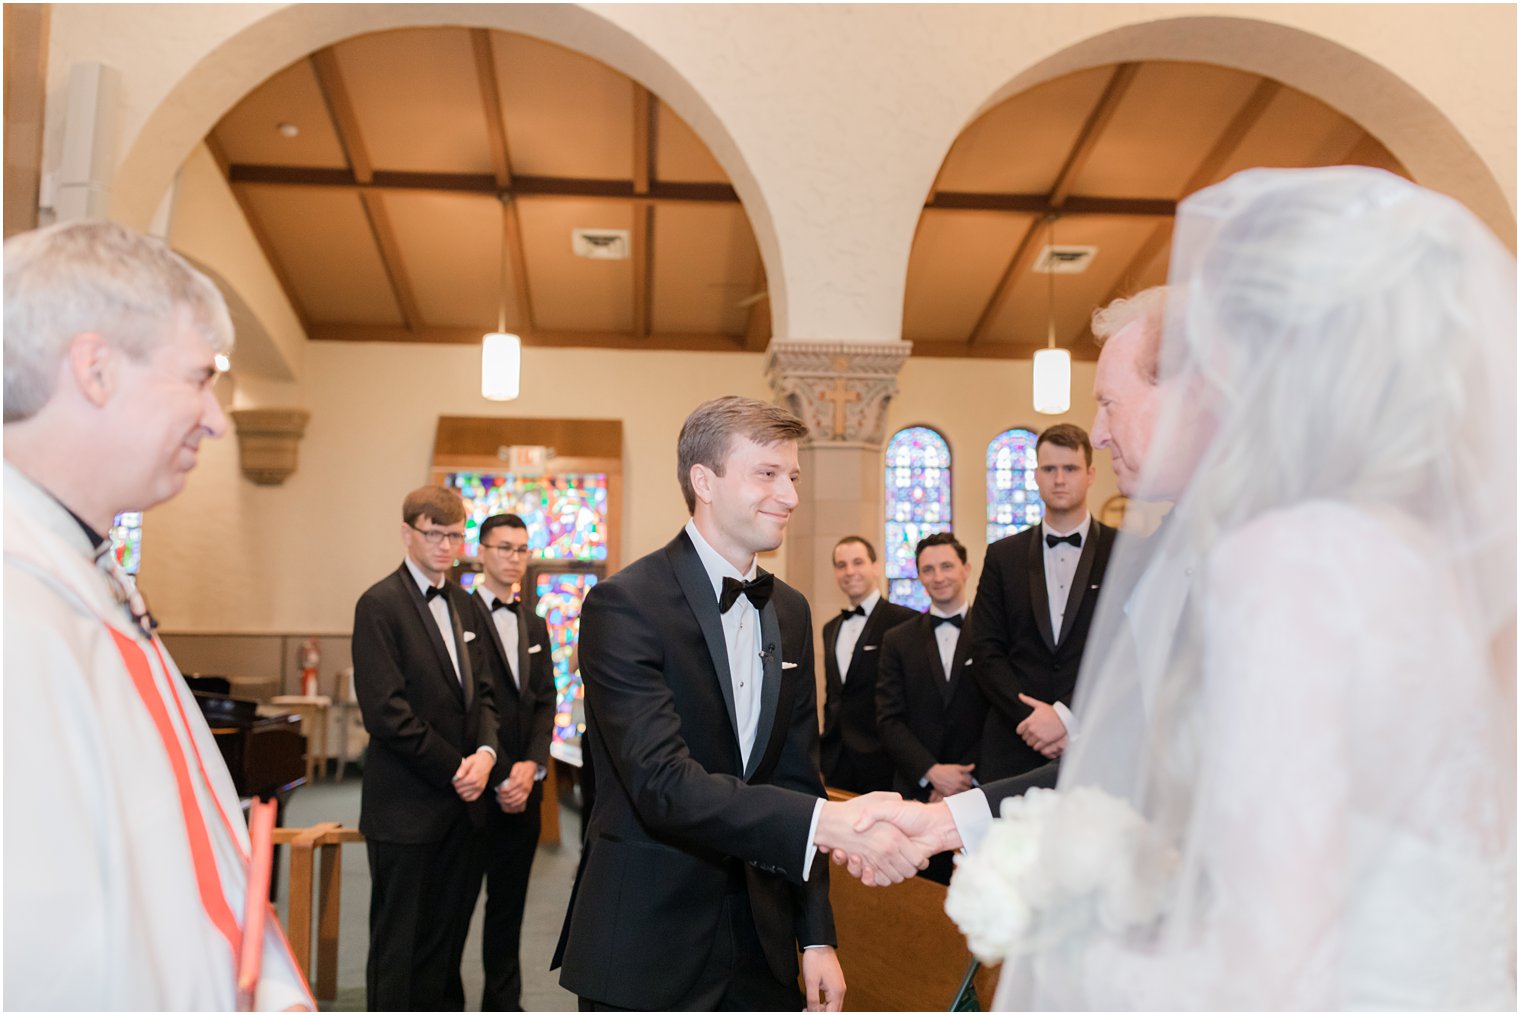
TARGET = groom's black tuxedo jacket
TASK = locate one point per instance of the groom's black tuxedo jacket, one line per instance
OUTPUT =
(678, 820)
(422, 719)
(1016, 651)
(924, 716)
(849, 703)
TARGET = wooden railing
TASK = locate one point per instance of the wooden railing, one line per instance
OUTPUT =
(329, 837)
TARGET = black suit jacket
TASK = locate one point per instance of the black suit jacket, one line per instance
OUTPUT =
(422, 719)
(924, 718)
(1015, 649)
(525, 716)
(679, 820)
(849, 705)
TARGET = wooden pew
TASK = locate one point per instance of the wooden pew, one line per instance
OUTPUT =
(898, 949)
(329, 837)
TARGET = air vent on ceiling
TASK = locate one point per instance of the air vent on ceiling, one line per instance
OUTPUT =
(1064, 259)
(600, 244)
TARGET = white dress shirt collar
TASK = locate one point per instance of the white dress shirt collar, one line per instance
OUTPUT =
(716, 565)
(422, 583)
(869, 602)
(1082, 528)
(959, 611)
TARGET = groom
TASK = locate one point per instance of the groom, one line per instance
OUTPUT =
(1129, 396)
(698, 885)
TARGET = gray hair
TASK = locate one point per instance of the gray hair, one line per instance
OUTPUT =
(1147, 306)
(80, 277)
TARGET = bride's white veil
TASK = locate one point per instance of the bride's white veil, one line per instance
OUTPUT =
(1331, 335)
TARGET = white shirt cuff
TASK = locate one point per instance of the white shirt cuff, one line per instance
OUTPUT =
(972, 813)
(812, 850)
(487, 747)
(1068, 720)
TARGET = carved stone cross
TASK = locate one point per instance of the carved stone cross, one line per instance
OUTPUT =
(841, 396)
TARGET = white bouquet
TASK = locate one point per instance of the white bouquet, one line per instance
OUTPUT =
(1057, 859)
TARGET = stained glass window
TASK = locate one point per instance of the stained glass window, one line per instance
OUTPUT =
(126, 540)
(1013, 499)
(918, 504)
(566, 515)
(559, 596)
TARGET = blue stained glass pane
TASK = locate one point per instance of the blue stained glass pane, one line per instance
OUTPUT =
(566, 514)
(126, 540)
(559, 597)
(1013, 497)
(918, 477)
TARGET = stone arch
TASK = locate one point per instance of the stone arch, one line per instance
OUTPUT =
(216, 82)
(1407, 123)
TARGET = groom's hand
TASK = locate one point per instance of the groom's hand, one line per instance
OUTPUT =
(873, 851)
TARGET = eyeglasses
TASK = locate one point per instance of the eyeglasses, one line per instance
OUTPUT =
(507, 549)
(437, 536)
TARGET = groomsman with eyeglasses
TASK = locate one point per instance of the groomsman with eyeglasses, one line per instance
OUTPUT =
(428, 701)
(519, 661)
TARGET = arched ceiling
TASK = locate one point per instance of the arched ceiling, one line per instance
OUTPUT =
(434, 177)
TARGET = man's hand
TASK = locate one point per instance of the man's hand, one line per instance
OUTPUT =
(949, 780)
(877, 855)
(512, 794)
(822, 979)
(931, 826)
(470, 780)
(1042, 729)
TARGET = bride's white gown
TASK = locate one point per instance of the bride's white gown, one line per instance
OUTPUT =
(1352, 834)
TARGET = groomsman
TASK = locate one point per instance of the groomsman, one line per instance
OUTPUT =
(431, 718)
(928, 708)
(518, 659)
(853, 758)
(1034, 605)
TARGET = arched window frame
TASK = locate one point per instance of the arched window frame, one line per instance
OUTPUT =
(905, 525)
(1013, 500)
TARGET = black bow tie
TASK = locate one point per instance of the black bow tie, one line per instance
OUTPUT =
(502, 604)
(758, 592)
(954, 621)
(1075, 539)
(432, 592)
(858, 611)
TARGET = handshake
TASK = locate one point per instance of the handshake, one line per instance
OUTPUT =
(881, 838)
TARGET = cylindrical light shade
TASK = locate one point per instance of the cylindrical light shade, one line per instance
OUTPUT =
(1052, 381)
(500, 366)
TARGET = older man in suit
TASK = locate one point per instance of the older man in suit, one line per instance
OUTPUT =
(1033, 608)
(853, 758)
(699, 882)
(431, 717)
(518, 658)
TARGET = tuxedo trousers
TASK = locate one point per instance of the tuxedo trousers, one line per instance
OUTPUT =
(736, 976)
(855, 772)
(511, 844)
(421, 899)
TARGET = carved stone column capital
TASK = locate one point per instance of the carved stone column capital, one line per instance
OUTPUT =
(268, 442)
(839, 389)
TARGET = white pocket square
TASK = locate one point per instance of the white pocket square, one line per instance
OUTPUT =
(869, 648)
(535, 648)
(788, 666)
(469, 636)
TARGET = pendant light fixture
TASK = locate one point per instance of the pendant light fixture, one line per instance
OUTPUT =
(501, 351)
(1052, 366)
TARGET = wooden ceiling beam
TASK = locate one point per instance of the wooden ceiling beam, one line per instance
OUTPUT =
(482, 183)
(1241, 124)
(260, 236)
(490, 101)
(1023, 257)
(340, 332)
(512, 247)
(335, 94)
(987, 350)
(1038, 204)
(1092, 131)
